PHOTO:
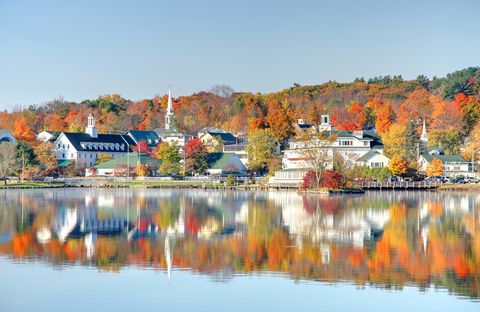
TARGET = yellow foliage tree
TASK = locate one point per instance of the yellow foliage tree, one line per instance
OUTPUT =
(398, 166)
(435, 167)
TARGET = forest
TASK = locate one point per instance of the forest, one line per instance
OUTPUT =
(449, 105)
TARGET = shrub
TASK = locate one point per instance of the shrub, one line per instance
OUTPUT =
(309, 180)
(332, 179)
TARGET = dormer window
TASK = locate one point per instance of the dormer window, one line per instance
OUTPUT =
(101, 146)
(122, 147)
(117, 146)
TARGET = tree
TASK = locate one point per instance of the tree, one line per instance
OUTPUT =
(394, 140)
(222, 90)
(23, 131)
(170, 156)
(260, 148)
(435, 167)
(103, 157)
(413, 146)
(398, 166)
(385, 119)
(195, 156)
(353, 118)
(141, 147)
(451, 140)
(331, 179)
(8, 159)
(316, 151)
(46, 157)
(279, 120)
(143, 170)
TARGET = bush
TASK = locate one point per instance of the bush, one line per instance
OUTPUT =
(230, 181)
(309, 180)
(332, 179)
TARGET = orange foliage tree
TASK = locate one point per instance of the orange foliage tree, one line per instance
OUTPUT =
(435, 167)
(23, 130)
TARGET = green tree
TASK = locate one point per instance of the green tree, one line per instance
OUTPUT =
(260, 148)
(170, 156)
(413, 146)
(8, 159)
(25, 154)
(451, 140)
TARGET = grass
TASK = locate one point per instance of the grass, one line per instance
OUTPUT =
(460, 187)
(165, 183)
(30, 184)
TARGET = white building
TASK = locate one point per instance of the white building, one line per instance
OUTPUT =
(169, 133)
(48, 136)
(83, 148)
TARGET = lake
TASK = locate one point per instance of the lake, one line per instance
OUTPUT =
(185, 250)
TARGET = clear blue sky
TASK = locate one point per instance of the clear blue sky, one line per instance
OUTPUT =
(81, 49)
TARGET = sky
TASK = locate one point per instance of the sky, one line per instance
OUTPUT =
(82, 49)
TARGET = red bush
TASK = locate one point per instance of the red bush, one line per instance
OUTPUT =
(309, 180)
(331, 179)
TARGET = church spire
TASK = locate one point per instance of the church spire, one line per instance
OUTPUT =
(424, 136)
(169, 113)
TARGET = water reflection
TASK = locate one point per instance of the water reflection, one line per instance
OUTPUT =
(383, 239)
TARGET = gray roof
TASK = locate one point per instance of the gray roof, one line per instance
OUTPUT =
(151, 137)
(368, 155)
(445, 158)
(77, 138)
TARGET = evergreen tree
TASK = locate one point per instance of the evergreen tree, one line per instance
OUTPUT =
(413, 145)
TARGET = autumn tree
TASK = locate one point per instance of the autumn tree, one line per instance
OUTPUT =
(394, 140)
(435, 168)
(143, 170)
(103, 157)
(398, 166)
(141, 147)
(170, 156)
(8, 160)
(195, 156)
(450, 140)
(260, 148)
(353, 118)
(385, 119)
(46, 157)
(279, 119)
(23, 131)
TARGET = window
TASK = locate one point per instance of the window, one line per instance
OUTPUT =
(456, 168)
(345, 143)
(377, 165)
(71, 155)
(91, 155)
(365, 143)
(63, 155)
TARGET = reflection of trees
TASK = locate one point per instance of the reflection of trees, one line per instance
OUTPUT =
(422, 242)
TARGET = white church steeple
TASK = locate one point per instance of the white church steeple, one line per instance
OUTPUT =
(424, 136)
(169, 113)
(91, 128)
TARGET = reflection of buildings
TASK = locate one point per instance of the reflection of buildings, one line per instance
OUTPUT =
(320, 223)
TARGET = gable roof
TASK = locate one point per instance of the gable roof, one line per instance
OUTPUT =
(445, 158)
(151, 137)
(134, 161)
(223, 160)
(226, 137)
(77, 138)
(370, 154)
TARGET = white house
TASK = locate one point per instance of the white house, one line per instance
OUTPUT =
(453, 165)
(83, 148)
(48, 136)
(362, 147)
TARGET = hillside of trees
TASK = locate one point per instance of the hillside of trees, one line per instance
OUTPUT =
(450, 106)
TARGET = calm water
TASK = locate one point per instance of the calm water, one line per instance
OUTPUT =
(124, 250)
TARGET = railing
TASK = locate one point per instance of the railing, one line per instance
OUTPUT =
(400, 185)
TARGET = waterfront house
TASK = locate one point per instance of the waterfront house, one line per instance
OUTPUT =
(213, 137)
(120, 165)
(83, 148)
(224, 164)
(453, 165)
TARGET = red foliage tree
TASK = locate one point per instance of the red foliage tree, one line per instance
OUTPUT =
(309, 180)
(331, 179)
(141, 147)
(195, 148)
(352, 119)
